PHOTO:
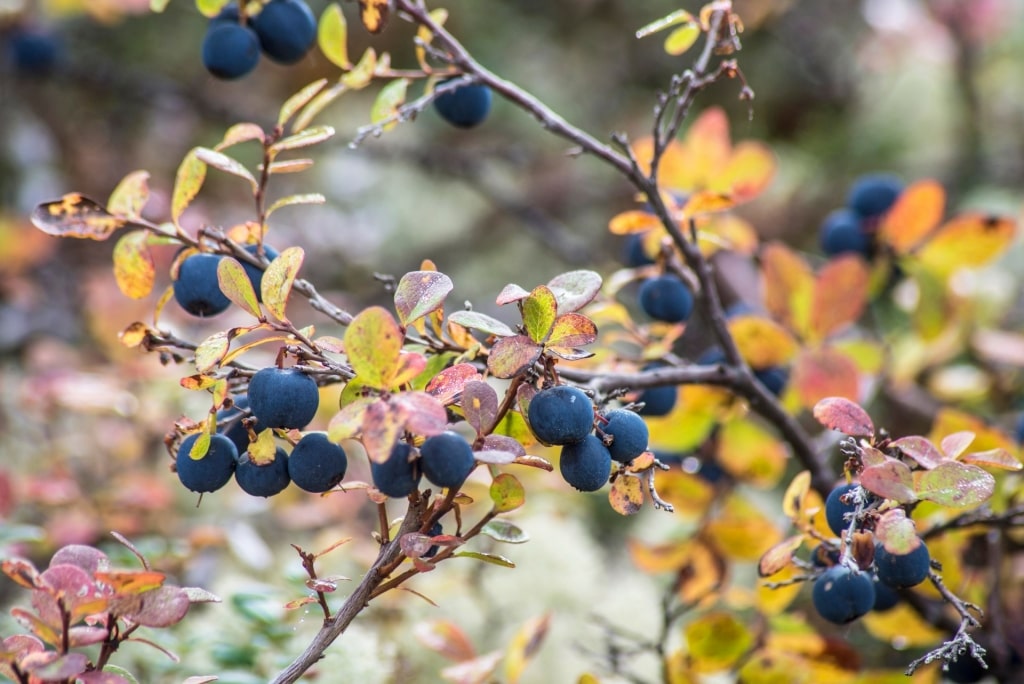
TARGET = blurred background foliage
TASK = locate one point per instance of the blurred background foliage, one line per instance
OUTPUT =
(924, 88)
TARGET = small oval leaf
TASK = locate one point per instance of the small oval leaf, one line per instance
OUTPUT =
(507, 493)
(844, 415)
(277, 280)
(332, 36)
(134, 270)
(419, 293)
(235, 284)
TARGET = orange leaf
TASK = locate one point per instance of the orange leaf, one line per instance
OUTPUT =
(788, 286)
(840, 294)
(374, 14)
(673, 166)
(706, 201)
(707, 148)
(626, 495)
(916, 212)
(633, 221)
(967, 241)
(779, 556)
(826, 372)
(750, 169)
(131, 582)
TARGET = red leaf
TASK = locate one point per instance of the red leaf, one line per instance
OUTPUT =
(844, 415)
(447, 385)
(890, 480)
(921, 450)
(512, 355)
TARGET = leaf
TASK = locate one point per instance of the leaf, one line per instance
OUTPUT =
(424, 36)
(445, 638)
(955, 484)
(447, 385)
(130, 196)
(525, 643)
(505, 532)
(222, 162)
(492, 558)
(993, 458)
(422, 414)
(385, 107)
(682, 39)
(921, 450)
(510, 356)
(916, 212)
(58, 668)
(788, 286)
(373, 342)
(673, 19)
(482, 322)
(479, 405)
(419, 293)
(187, 183)
(130, 582)
(633, 221)
(374, 14)
(717, 641)
(134, 270)
(967, 241)
(332, 36)
(211, 351)
(896, 532)
(306, 138)
(317, 105)
(891, 479)
(840, 295)
(77, 216)
(511, 293)
(779, 556)
(761, 341)
(291, 200)
(290, 166)
(539, 311)
(507, 493)
(162, 607)
(626, 495)
(409, 367)
(955, 444)
(741, 531)
(382, 426)
(751, 453)
(235, 284)
(705, 202)
(749, 171)
(572, 330)
(240, 133)
(299, 100)
(21, 571)
(575, 289)
(823, 373)
(348, 422)
(362, 74)
(796, 494)
(844, 415)
(276, 285)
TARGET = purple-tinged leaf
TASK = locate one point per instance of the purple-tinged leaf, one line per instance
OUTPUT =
(890, 480)
(993, 458)
(872, 456)
(85, 557)
(494, 457)
(422, 414)
(35, 625)
(479, 669)
(197, 595)
(921, 450)
(844, 415)
(447, 385)
(956, 485)
(504, 443)
(897, 532)
(779, 556)
(511, 293)
(505, 532)
(21, 571)
(77, 216)
(201, 679)
(86, 636)
(446, 639)
(322, 585)
(479, 405)
(162, 607)
(419, 293)
(104, 678)
(21, 645)
(474, 320)
(382, 426)
(51, 667)
(575, 289)
(955, 444)
(300, 602)
(510, 356)
(414, 544)
(570, 353)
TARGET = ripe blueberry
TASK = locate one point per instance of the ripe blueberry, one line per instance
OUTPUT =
(283, 398)
(255, 273)
(233, 428)
(872, 194)
(902, 571)
(666, 298)
(213, 470)
(630, 434)
(843, 231)
(197, 289)
(286, 30)
(774, 378)
(317, 464)
(446, 459)
(965, 670)
(633, 252)
(230, 50)
(263, 480)
(886, 597)
(657, 401)
(435, 531)
(561, 415)
(466, 106)
(399, 475)
(836, 510)
(34, 52)
(586, 465)
(842, 595)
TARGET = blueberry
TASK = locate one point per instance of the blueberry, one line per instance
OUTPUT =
(774, 378)
(630, 434)
(230, 50)
(283, 398)
(233, 428)
(317, 464)
(446, 459)
(197, 289)
(263, 480)
(666, 298)
(398, 476)
(228, 14)
(902, 571)
(842, 232)
(835, 510)
(586, 465)
(965, 670)
(633, 253)
(466, 106)
(1019, 430)
(842, 595)
(561, 415)
(658, 401)
(435, 531)
(213, 470)
(286, 30)
(873, 194)
(34, 52)
(886, 597)
(255, 273)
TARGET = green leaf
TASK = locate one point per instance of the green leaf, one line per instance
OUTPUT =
(210, 8)
(121, 672)
(277, 280)
(235, 284)
(510, 356)
(362, 74)
(200, 446)
(222, 162)
(77, 216)
(290, 166)
(956, 485)
(575, 289)
(158, 6)
(475, 320)
(492, 558)
(299, 100)
(306, 138)
(504, 531)
(390, 98)
(682, 39)
(187, 183)
(332, 36)
(897, 532)
(134, 270)
(419, 293)
(373, 342)
(291, 200)
(240, 133)
(130, 195)
(507, 493)
(539, 312)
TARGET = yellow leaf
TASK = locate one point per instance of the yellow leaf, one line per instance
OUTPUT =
(187, 182)
(278, 278)
(374, 14)
(967, 241)
(773, 601)
(751, 454)
(916, 212)
(528, 638)
(741, 531)
(424, 36)
(332, 36)
(788, 286)
(717, 641)
(706, 201)
(726, 231)
(134, 270)
(362, 74)
(682, 39)
(633, 221)
(902, 624)
(130, 195)
(707, 148)
(385, 107)
(762, 342)
(749, 171)
(373, 343)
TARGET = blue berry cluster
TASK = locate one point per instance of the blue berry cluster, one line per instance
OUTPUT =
(446, 460)
(283, 30)
(852, 228)
(197, 290)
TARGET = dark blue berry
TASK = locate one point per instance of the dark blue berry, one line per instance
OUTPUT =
(965, 670)
(466, 106)
(213, 470)
(658, 401)
(230, 50)
(446, 459)
(229, 14)
(561, 415)
(629, 432)
(586, 465)
(633, 253)
(712, 356)
(263, 480)
(233, 428)
(886, 597)
(836, 510)
(317, 464)
(34, 52)
(435, 531)
(873, 194)
(255, 273)
(666, 298)
(842, 595)
(843, 232)
(774, 378)
(283, 398)
(197, 289)
(286, 30)
(902, 571)
(399, 475)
